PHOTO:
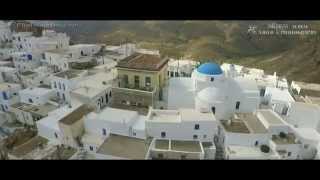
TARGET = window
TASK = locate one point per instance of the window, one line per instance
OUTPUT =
(289, 154)
(148, 82)
(91, 148)
(30, 100)
(134, 134)
(171, 74)
(55, 84)
(197, 126)
(125, 80)
(262, 92)
(64, 87)
(110, 94)
(136, 81)
(195, 136)
(101, 99)
(183, 156)
(56, 135)
(104, 132)
(237, 105)
(107, 99)
(306, 146)
(59, 85)
(256, 143)
(163, 134)
(285, 111)
(5, 96)
(212, 79)
(213, 109)
(2, 107)
(63, 97)
(204, 136)
(160, 156)
(58, 94)
(176, 74)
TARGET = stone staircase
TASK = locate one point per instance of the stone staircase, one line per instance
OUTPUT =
(219, 151)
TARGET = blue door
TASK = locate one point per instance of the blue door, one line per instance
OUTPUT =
(5, 96)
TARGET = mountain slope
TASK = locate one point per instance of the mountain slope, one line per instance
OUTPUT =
(218, 40)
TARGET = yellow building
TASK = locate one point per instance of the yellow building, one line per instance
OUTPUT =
(141, 79)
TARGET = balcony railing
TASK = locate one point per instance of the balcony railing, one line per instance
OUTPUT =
(131, 86)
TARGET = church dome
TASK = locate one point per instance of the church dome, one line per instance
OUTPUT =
(210, 69)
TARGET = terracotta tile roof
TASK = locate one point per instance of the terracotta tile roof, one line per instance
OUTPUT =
(143, 62)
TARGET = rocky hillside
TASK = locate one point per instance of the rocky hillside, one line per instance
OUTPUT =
(294, 56)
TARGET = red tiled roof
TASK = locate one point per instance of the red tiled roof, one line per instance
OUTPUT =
(143, 62)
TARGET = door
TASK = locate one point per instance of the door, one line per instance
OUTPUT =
(213, 109)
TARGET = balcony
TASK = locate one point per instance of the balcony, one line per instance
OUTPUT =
(133, 87)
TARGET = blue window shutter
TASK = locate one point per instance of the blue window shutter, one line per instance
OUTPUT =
(29, 56)
(5, 96)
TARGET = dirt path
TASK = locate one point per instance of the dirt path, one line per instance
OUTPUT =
(272, 59)
(229, 31)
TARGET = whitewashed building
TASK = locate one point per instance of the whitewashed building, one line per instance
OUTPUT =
(8, 95)
(36, 96)
(115, 121)
(181, 68)
(182, 124)
(95, 91)
(210, 90)
(29, 114)
(24, 61)
(278, 99)
(66, 81)
(5, 32)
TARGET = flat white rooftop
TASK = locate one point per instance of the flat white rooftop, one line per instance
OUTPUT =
(271, 117)
(100, 81)
(194, 115)
(164, 116)
(36, 91)
(246, 152)
(279, 95)
(55, 116)
(88, 91)
(114, 115)
(7, 69)
(308, 134)
(8, 86)
(180, 115)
